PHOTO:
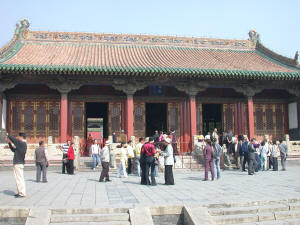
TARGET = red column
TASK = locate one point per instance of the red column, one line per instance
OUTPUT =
(193, 116)
(185, 126)
(69, 131)
(129, 116)
(1, 100)
(188, 127)
(63, 117)
(193, 120)
(182, 122)
(123, 113)
(251, 117)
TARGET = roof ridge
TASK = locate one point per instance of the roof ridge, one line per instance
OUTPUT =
(41, 36)
(122, 44)
(279, 59)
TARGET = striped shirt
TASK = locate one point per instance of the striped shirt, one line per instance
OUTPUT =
(65, 148)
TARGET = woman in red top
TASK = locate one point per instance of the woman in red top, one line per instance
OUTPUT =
(71, 158)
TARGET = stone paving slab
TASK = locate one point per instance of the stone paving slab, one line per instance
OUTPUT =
(84, 190)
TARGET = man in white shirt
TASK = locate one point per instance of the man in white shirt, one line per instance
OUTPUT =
(105, 163)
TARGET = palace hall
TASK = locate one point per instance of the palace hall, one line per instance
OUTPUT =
(51, 83)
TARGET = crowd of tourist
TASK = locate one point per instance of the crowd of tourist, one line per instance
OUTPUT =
(240, 153)
(142, 158)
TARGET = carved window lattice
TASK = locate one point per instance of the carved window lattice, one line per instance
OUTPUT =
(77, 123)
(16, 118)
(53, 118)
(259, 119)
(138, 118)
(279, 119)
(28, 118)
(115, 119)
(198, 119)
(173, 118)
(229, 118)
(41, 118)
(269, 119)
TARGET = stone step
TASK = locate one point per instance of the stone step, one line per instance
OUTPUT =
(251, 209)
(275, 222)
(252, 218)
(90, 217)
(12, 220)
(66, 211)
(94, 223)
(290, 201)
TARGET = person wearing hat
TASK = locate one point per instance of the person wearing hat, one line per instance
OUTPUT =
(199, 146)
(169, 162)
(105, 163)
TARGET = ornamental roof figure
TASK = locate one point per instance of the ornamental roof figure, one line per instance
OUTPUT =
(254, 36)
(123, 54)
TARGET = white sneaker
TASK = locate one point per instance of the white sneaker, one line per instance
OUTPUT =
(94, 169)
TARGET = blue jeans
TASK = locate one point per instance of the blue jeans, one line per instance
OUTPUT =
(217, 168)
(156, 170)
(96, 160)
(138, 166)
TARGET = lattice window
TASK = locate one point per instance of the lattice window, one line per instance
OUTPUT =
(77, 123)
(115, 118)
(198, 119)
(229, 118)
(138, 118)
(41, 118)
(173, 118)
(259, 119)
(53, 118)
(16, 118)
(279, 119)
(28, 118)
(269, 119)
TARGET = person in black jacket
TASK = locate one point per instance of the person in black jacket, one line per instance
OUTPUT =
(19, 147)
(251, 157)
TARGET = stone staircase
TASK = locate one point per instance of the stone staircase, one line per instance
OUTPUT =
(259, 213)
(99, 216)
(6, 164)
(85, 165)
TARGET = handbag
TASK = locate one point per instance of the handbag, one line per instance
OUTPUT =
(66, 160)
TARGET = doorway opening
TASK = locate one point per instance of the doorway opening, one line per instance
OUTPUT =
(156, 118)
(212, 117)
(99, 112)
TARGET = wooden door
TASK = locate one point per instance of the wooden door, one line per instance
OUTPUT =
(228, 117)
(174, 117)
(114, 117)
(139, 119)
(199, 119)
(78, 119)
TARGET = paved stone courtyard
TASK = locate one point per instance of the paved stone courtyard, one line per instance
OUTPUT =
(84, 190)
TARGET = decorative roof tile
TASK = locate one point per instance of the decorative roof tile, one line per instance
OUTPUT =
(138, 54)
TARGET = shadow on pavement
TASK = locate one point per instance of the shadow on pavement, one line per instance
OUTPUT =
(131, 182)
(8, 192)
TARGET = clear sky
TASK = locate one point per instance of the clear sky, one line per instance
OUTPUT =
(277, 21)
